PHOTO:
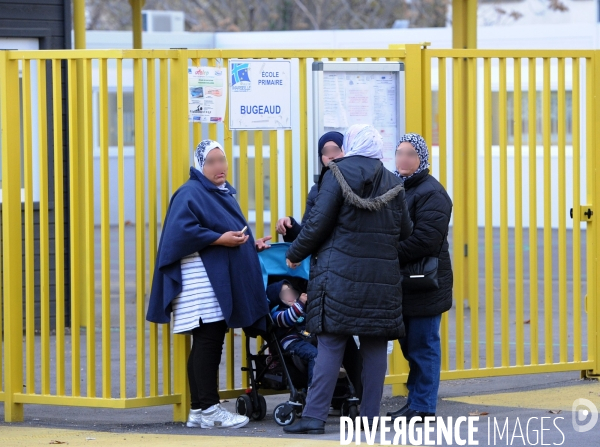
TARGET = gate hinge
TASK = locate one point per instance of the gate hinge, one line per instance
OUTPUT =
(585, 213)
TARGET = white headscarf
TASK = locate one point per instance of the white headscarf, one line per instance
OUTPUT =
(363, 139)
(200, 154)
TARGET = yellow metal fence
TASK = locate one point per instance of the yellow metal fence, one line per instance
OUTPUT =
(525, 312)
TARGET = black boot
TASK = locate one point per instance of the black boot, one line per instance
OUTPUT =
(306, 426)
(410, 414)
(399, 412)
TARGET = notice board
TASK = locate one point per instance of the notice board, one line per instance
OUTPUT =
(347, 93)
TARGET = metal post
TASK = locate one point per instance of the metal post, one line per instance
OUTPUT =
(136, 15)
(11, 236)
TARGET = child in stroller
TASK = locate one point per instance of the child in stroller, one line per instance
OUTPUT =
(273, 369)
(287, 311)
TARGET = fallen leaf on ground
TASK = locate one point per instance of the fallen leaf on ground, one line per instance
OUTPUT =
(527, 322)
(57, 442)
(477, 413)
(554, 411)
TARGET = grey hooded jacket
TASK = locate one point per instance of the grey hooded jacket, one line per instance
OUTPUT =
(353, 232)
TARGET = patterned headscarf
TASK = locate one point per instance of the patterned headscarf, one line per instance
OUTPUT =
(363, 139)
(201, 152)
(420, 146)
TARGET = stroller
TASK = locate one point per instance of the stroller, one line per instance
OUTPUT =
(272, 369)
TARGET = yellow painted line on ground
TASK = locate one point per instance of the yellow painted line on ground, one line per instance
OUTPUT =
(34, 436)
(560, 398)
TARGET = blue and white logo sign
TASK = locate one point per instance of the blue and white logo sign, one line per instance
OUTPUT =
(261, 93)
(240, 78)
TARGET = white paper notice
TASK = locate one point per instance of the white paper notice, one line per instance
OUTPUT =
(207, 94)
(362, 98)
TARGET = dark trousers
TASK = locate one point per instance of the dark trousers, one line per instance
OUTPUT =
(203, 364)
(331, 349)
(421, 347)
(307, 352)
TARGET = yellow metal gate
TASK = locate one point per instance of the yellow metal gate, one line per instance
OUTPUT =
(525, 301)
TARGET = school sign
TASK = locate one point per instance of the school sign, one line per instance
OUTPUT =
(260, 94)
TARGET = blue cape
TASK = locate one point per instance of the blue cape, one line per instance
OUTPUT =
(198, 214)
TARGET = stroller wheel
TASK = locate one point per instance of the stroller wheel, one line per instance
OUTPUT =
(353, 412)
(349, 409)
(259, 413)
(243, 405)
(284, 414)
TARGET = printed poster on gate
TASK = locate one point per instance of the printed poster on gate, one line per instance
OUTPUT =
(207, 94)
(260, 93)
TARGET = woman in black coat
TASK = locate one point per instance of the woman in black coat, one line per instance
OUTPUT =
(353, 233)
(430, 208)
(330, 148)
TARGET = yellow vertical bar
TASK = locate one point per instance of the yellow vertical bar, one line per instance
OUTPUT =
(443, 161)
(533, 241)
(489, 229)
(243, 186)
(442, 114)
(413, 90)
(164, 203)
(75, 238)
(180, 166)
(259, 183)
(289, 174)
(59, 225)
(88, 161)
(29, 233)
(303, 134)
(230, 337)
(274, 182)
(518, 130)
(212, 127)
(576, 132)
(562, 213)
(458, 228)
(472, 225)
(196, 127)
(227, 133)
(140, 223)
(44, 228)
(152, 211)
(12, 278)
(104, 226)
(121, 200)
(547, 129)
(243, 198)
(504, 296)
(593, 247)
(427, 109)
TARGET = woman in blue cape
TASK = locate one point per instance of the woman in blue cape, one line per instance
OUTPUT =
(208, 275)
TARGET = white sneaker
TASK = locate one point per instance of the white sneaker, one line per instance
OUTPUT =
(219, 417)
(194, 418)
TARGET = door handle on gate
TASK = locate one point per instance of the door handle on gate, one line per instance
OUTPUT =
(585, 213)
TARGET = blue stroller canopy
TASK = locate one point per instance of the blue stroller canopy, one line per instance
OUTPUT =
(272, 262)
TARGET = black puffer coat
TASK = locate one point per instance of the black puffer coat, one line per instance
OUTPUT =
(430, 208)
(354, 231)
(292, 233)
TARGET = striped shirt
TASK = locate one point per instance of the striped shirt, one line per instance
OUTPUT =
(197, 298)
(288, 318)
